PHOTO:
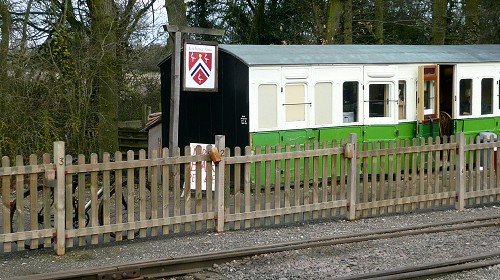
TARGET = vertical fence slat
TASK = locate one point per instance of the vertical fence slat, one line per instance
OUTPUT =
(448, 168)
(210, 189)
(417, 156)
(381, 179)
(33, 186)
(267, 190)
(7, 246)
(237, 187)
(390, 177)
(153, 188)
(324, 178)
(130, 195)
(49, 186)
(118, 196)
(399, 163)
(315, 180)
(257, 186)
(353, 176)
(176, 177)
(69, 201)
(198, 193)
(430, 176)
(373, 183)
(220, 144)
(287, 183)
(437, 166)
(142, 193)
(406, 186)
(166, 190)
(227, 187)
(105, 196)
(453, 167)
(491, 169)
(477, 172)
(296, 183)
(94, 186)
(81, 199)
(366, 182)
(247, 186)
(277, 185)
(421, 183)
(187, 189)
(460, 172)
(20, 208)
(306, 190)
(343, 177)
(333, 162)
(59, 198)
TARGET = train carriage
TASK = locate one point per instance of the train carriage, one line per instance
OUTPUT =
(288, 94)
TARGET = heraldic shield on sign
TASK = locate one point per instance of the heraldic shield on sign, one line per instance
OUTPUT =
(200, 66)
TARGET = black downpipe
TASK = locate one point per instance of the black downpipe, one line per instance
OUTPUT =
(431, 121)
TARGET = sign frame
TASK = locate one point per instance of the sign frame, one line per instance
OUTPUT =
(209, 47)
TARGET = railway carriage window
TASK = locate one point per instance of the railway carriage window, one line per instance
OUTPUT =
(350, 101)
(402, 100)
(295, 103)
(268, 105)
(466, 96)
(323, 102)
(429, 97)
(486, 96)
(379, 100)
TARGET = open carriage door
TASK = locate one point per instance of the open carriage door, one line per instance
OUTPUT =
(428, 101)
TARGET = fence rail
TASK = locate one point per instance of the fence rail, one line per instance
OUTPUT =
(59, 201)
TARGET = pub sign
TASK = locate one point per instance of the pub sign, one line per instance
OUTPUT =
(200, 66)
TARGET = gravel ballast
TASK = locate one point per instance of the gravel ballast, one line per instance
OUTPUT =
(313, 263)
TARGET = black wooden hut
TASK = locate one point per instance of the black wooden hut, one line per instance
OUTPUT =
(202, 115)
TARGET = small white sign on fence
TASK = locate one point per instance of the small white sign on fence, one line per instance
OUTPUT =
(203, 168)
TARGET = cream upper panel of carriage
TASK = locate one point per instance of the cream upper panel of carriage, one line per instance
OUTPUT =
(295, 97)
(477, 92)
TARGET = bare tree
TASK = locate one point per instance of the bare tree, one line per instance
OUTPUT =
(335, 11)
(472, 22)
(438, 22)
(379, 21)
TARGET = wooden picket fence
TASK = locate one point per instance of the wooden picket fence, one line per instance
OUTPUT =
(59, 201)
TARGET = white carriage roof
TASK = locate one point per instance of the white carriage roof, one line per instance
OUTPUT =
(254, 55)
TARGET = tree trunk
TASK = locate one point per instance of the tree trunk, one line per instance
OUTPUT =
(258, 23)
(333, 21)
(104, 41)
(4, 50)
(176, 12)
(438, 22)
(471, 22)
(348, 22)
(379, 21)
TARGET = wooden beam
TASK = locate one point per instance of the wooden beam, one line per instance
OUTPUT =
(194, 30)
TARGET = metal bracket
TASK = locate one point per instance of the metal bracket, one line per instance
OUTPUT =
(127, 274)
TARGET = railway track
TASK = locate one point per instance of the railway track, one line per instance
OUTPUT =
(183, 265)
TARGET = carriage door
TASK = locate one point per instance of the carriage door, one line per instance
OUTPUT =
(296, 106)
(428, 101)
(380, 104)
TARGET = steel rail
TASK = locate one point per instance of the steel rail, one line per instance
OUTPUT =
(181, 265)
(443, 267)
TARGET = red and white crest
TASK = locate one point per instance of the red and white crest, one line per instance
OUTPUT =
(200, 67)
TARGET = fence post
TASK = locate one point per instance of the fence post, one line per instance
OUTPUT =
(460, 182)
(220, 144)
(59, 198)
(351, 153)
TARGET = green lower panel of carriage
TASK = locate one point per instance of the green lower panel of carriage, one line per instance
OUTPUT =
(369, 137)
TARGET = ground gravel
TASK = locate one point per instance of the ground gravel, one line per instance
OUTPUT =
(316, 263)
